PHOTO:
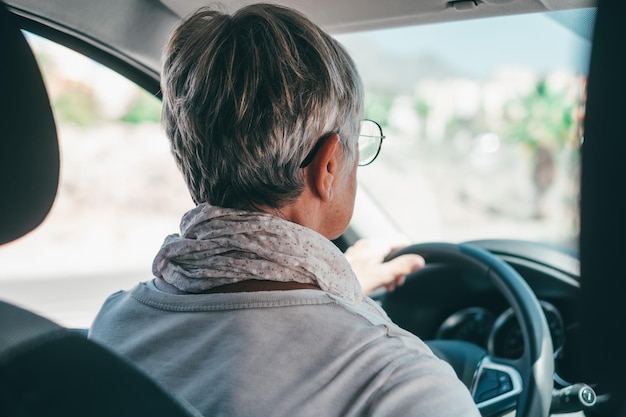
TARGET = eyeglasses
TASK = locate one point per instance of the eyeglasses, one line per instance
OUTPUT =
(370, 141)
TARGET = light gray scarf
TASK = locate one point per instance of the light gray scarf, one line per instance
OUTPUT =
(219, 246)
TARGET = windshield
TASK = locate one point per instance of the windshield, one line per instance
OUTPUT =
(483, 122)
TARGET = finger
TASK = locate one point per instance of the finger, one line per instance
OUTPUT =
(404, 265)
(401, 280)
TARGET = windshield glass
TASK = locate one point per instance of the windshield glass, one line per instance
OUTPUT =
(483, 122)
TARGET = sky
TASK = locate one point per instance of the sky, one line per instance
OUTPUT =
(477, 46)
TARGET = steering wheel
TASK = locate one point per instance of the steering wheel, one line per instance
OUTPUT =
(497, 384)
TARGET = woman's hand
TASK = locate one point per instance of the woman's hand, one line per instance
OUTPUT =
(366, 257)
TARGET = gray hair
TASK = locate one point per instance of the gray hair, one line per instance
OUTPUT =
(247, 96)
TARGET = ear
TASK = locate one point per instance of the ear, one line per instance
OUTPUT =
(324, 168)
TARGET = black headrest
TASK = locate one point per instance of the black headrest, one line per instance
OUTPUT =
(29, 150)
(47, 370)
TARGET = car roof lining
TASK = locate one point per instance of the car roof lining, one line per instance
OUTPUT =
(340, 17)
(118, 30)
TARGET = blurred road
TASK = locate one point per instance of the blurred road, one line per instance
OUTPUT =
(50, 298)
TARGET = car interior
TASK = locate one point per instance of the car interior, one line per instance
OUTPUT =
(49, 369)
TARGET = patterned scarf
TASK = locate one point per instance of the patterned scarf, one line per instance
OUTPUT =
(219, 246)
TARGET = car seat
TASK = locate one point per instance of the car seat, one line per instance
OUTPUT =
(45, 369)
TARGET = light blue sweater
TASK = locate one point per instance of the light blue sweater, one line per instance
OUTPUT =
(280, 353)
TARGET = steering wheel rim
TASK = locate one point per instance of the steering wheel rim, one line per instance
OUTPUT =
(536, 366)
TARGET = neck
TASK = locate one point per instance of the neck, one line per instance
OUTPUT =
(304, 211)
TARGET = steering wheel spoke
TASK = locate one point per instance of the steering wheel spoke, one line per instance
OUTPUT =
(496, 386)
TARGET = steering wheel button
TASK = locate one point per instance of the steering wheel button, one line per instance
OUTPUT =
(488, 385)
(505, 382)
(588, 396)
(505, 387)
(485, 395)
(488, 380)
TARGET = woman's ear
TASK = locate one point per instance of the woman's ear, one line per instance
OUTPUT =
(324, 167)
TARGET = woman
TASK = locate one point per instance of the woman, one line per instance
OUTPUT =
(253, 311)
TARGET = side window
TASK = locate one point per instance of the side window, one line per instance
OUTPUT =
(119, 195)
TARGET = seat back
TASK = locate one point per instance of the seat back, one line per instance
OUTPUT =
(29, 151)
(45, 369)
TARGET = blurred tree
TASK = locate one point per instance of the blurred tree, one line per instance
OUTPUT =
(76, 104)
(422, 108)
(144, 108)
(378, 106)
(544, 121)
